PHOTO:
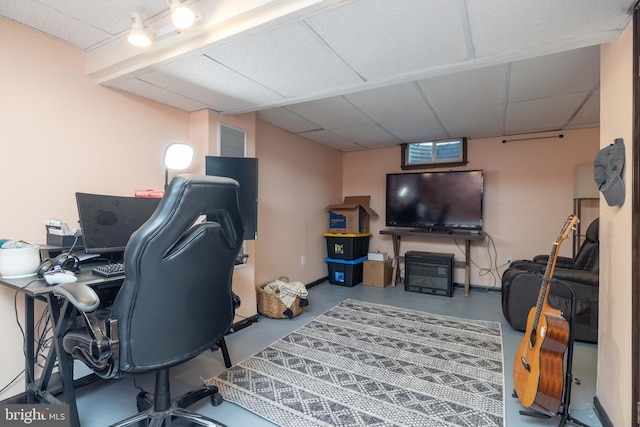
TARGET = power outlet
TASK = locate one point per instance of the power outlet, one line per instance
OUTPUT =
(303, 260)
(508, 261)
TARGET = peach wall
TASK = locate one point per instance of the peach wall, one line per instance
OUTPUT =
(614, 383)
(297, 180)
(528, 195)
(62, 133)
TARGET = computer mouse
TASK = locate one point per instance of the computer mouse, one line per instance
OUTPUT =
(59, 276)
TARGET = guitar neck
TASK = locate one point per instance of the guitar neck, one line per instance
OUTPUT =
(544, 288)
(551, 263)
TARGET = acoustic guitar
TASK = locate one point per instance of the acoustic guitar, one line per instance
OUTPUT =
(538, 373)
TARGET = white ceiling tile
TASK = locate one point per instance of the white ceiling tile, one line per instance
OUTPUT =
(589, 114)
(541, 114)
(113, 17)
(215, 101)
(479, 122)
(207, 81)
(158, 94)
(289, 60)
(287, 120)
(391, 102)
(503, 26)
(48, 20)
(330, 139)
(379, 38)
(425, 128)
(467, 89)
(367, 135)
(330, 113)
(557, 74)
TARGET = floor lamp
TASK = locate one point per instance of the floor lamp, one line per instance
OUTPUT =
(177, 156)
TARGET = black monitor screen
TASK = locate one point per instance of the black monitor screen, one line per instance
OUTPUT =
(245, 171)
(107, 222)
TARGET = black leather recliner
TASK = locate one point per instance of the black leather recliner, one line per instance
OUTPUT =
(176, 300)
(521, 286)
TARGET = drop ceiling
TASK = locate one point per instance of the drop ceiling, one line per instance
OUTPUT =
(359, 74)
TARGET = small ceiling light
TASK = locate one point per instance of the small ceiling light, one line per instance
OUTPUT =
(182, 16)
(139, 35)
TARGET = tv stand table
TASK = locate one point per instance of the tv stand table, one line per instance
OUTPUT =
(467, 236)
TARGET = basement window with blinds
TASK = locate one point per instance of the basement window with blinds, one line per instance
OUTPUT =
(446, 152)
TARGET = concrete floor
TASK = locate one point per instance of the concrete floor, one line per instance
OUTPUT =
(106, 402)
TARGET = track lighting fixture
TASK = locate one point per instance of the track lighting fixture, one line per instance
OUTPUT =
(182, 18)
(139, 35)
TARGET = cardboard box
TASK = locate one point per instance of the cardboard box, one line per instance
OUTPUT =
(352, 216)
(377, 256)
(377, 273)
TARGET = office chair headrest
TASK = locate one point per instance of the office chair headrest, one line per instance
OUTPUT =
(186, 194)
(593, 232)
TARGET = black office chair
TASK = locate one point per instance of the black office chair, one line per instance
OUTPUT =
(176, 300)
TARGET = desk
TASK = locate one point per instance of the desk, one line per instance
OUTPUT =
(453, 235)
(36, 389)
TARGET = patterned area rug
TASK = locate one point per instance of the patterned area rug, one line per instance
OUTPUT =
(363, 364)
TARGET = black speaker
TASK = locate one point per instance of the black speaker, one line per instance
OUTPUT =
(429, 273)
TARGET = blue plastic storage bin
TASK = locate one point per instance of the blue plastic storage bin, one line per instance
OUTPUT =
(345, 272)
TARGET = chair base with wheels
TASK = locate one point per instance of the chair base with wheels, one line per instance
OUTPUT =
(149, 410)
(159, 410)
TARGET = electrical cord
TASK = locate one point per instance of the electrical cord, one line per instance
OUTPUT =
(10, 383)
(43, 337)
(24, 337)
(73, 245)
(493, 269)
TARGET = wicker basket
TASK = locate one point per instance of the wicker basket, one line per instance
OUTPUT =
(270, 305)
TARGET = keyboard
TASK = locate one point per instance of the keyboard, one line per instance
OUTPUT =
(109, 270)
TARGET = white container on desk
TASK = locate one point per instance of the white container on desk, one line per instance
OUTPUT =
(19, 262)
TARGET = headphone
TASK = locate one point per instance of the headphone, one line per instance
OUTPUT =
(64, 261)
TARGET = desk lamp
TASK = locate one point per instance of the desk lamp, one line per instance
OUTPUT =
(177, 156)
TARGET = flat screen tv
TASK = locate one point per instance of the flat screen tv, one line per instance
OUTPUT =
(245, 171)
(436, 201)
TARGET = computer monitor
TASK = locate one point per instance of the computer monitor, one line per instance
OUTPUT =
(245, 171)
(107, 222)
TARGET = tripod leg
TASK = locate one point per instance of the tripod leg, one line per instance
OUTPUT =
(534, 414)
(572, 420)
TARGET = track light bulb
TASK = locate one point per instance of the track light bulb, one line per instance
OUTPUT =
(139, 35)
(181, 16)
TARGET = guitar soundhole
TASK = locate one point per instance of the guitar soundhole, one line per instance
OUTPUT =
(532, 338)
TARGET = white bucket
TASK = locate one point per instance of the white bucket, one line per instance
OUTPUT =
(19, 262)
